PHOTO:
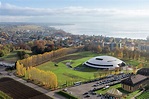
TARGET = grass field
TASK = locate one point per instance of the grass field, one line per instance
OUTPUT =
(12, 57)
(104, 91)
(128, 95)
(144, 95)
(77, 72)
(66, 74)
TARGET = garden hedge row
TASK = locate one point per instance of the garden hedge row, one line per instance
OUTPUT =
(65, 94)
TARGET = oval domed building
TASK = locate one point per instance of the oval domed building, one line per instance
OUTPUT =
(104, 62)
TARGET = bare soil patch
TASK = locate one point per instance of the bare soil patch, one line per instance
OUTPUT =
(17, 90)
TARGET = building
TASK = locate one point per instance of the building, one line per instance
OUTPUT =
(104, 62)
(114, 45)
(143, 47)
(134, 83)
(143, 71)
(115, 93)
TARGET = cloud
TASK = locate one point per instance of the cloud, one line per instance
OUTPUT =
(9, 12)
(12, 10)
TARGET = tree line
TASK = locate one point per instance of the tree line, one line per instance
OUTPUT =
(46, 78)
(25, 67)
(48, 56)
(120, 53)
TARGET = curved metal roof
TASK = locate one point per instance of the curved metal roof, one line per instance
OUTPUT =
(104, 62)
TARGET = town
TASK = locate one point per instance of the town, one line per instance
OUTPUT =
(53, 64)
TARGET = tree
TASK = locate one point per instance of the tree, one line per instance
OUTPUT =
(38, 49)
(21, 54)
(99, 49)
(106, 49)
(134, 70)
(140, 65)
(118, 53)
(2, 53)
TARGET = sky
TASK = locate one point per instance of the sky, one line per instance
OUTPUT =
(130, 14)
(72, 10)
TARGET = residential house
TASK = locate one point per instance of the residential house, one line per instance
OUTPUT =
(134, 83)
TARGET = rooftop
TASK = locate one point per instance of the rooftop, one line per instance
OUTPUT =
(143, 71)
(134, 80)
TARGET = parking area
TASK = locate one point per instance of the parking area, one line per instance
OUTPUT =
(88, 90)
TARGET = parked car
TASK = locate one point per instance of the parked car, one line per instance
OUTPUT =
(86, 96)
(85, 93)
(106, 87)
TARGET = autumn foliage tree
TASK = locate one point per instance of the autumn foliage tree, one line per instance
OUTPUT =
(46, 78)
(21, 70)
(48, 56)
(25, 67)
(118, 53)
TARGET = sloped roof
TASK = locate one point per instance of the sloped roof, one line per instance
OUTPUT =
(134, 80)
(114, 92)
(143, 71)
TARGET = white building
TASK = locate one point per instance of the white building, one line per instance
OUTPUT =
(104, 62)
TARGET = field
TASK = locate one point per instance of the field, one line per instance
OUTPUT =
(103, 91)
(17, 90)
(128, 95)
(144, 95)
(26, 27)
(77, 72)
(12, 56)
(67, 74)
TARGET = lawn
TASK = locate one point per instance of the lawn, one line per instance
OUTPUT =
(133, 62)
(128, 95)
(66, 74)
(104, 91)
(12, 56)
(69, 75)
(78, 72)
(144, 95)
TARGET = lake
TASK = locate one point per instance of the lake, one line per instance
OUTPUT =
(123, 30)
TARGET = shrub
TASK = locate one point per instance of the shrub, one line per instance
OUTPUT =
(65, 94)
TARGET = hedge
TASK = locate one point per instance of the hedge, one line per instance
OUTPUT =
(65, 94)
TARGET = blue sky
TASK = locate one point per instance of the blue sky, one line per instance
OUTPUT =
(117, 16)
(84, 3)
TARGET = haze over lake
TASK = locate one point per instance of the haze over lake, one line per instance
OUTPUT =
(116, 18)
(133, 31)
